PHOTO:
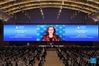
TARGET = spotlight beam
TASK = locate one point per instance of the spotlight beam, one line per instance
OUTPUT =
(41, 10)
(42, 13)
(60, 10)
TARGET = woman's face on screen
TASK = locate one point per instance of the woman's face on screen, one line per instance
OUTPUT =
(50, 30)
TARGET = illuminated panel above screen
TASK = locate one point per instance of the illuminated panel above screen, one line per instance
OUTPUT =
(65, 32)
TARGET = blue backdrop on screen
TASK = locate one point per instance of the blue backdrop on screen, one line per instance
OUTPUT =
(36, 32)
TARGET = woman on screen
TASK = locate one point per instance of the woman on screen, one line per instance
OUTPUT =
(50, 35)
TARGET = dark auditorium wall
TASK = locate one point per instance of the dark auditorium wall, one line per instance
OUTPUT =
(50, 16)
(2, 43)
(0, 30)
(96, 44)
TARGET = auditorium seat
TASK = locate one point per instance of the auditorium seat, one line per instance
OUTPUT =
(30, 56)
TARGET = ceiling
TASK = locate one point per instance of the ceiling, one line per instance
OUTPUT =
(13, 6)
(72, 11)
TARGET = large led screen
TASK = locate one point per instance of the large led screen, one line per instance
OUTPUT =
(65, 32)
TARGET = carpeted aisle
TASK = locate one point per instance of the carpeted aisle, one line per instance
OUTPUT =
(52, 59)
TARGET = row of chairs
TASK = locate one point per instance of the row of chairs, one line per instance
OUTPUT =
(75, 57)
(19, 56)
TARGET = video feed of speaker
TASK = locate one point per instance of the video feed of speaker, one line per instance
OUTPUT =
(42, 32)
